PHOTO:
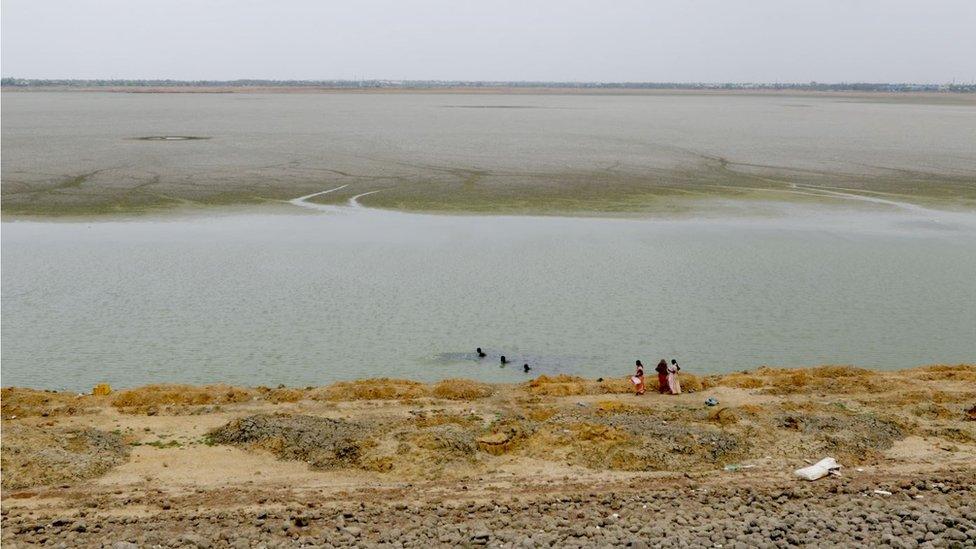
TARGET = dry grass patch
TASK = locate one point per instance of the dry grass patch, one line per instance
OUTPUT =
(933, 411)
(436, 418)
(752, 409)
(597, 432)
(284, 394)
(824, 379)
(943, 372)
(372, 389)
(18, 402)
(615, 386)
(448, 441)
(739, 381)
(461, 389)
(541, 413)
(617, 407)
(149, 398)
(565, 385)
(691, 383)
(904, 398)
(560, 385)
(724, 416)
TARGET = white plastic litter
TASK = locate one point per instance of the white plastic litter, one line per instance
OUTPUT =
(882, 492)
(819, 469)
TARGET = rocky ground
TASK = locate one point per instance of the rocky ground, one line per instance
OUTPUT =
(940, 512)
(553, 462)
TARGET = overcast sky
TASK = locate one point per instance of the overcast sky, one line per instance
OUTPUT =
(664, 40)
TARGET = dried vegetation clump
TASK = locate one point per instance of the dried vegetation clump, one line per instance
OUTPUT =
(402, 389)
(461, 389)
(372, 389)
(283, 394)
(16, 402)
(565, 385)
(433, 418)
(34, 456)
(740, 381)
(943, 372)
(817, 380)
(152, 399)
(825, 379)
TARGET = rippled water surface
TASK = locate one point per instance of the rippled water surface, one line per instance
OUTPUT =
(345, 293)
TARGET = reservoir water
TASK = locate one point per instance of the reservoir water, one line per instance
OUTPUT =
(845, 256)
(318, 296)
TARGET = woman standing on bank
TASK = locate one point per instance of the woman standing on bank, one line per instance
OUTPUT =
(638, 379)
(673, 384)
(662, 376)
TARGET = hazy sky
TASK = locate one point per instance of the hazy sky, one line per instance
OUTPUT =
(666, 40)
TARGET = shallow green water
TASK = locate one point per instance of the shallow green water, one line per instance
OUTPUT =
(312, 298)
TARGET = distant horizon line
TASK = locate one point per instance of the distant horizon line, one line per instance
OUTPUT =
(442, 83)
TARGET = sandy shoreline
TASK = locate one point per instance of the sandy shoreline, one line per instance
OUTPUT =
(461, 462)
(495, 151)
(925, 97)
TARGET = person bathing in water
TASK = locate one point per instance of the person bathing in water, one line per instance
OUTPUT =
(638, 379)
(481, 354)
(526, 368)
(662, 376)
(504, 360)
(673, 386)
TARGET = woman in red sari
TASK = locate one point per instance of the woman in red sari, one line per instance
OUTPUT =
(662, 376)
(638, 379)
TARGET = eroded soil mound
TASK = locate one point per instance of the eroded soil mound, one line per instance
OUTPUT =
(34, 456)
(322, 442)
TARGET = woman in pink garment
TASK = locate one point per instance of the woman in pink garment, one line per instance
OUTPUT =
(673, 384)
(638, 379)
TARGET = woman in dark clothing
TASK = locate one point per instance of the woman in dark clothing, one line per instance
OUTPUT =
(662, 376)
(481, 354)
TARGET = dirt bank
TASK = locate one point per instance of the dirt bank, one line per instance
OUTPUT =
(543, 463)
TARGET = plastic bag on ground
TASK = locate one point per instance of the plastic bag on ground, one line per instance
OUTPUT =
(819, 469)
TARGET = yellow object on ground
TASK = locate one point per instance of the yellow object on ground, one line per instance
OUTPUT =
(102, 389)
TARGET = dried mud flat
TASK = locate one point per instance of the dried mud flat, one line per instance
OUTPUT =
(552, 462)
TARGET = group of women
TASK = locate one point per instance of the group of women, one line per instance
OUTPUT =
(667, 378)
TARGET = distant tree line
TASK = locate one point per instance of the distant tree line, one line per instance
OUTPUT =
(434, 84)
